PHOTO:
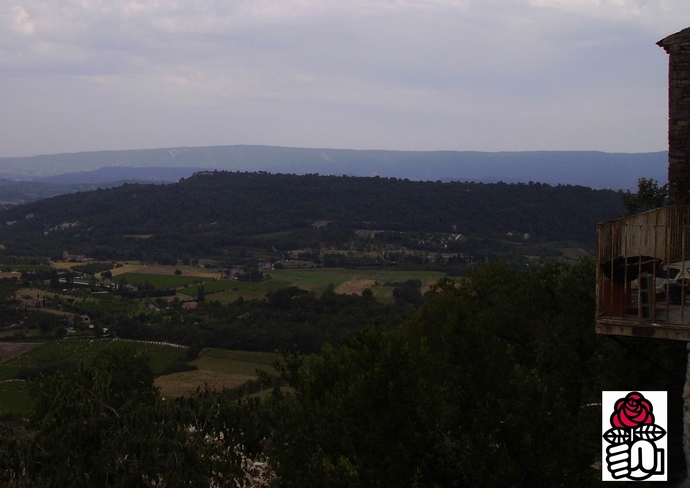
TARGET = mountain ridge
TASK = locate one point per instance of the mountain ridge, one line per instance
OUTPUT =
(593, 169)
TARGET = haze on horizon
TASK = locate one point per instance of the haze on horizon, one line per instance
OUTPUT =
(483, 75)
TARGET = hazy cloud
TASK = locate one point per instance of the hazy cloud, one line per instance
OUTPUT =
(395, 74)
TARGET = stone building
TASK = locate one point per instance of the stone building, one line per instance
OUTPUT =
(644, 259)
(678, 47)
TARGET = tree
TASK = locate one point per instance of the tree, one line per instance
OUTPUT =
(104, 424)
(178, 272)
(54, 279)
(200, 294)
(484, 386)
(649, 196)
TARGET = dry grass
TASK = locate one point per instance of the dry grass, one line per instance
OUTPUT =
(128, 268)
(10, 350)
(354, 286)
(33, 298)
(179, 384)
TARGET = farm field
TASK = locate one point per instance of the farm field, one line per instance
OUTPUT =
(235, 362)
(28, 267)
(180, 384)
(160, 281)
(313, 279)
(226, 291)
(165, 270)
(139, 268)
(317, 280)
(9, 350)
(28, 334)
(354, 281)
(162, 355)
(219, 368)
(68, 350)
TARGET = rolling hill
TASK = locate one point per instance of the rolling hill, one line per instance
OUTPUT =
(211, 212)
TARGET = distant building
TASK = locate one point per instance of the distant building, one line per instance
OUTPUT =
(74, 257)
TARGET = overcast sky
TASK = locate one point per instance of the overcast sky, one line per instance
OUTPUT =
(488, 75)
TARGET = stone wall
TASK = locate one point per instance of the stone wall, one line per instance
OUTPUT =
(678, 48)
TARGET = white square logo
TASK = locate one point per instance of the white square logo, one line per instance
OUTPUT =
(633, 429)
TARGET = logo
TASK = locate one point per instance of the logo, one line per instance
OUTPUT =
(634, 436)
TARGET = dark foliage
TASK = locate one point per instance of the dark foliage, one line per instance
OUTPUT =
(493, 383)
(290, 317)
(212, 212)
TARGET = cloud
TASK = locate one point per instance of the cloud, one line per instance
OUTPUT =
(21, 22)
(645, 13)
(424, 74)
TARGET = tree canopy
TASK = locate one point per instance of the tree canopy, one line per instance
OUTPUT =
(208, 214)
(493, 382)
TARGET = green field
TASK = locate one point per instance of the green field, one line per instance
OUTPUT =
(218, 368)
(235, 362)
(318, 279)
(226, 291)
(313, 279)
(86, 349)
(31, 268)
(159, 281)
(27, 333)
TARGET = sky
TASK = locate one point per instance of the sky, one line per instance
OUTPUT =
(484, 75)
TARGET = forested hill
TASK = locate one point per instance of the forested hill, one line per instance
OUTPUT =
(211, 209)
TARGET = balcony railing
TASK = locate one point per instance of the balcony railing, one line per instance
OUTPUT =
(643, 274)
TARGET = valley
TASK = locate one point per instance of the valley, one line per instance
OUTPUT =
(258, 296)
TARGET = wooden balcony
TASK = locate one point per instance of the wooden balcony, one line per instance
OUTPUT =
(643, 275)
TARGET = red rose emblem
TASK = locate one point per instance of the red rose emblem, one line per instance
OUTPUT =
(631, 411)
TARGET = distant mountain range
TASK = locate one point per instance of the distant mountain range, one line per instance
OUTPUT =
(586, 168)
(120, 174)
